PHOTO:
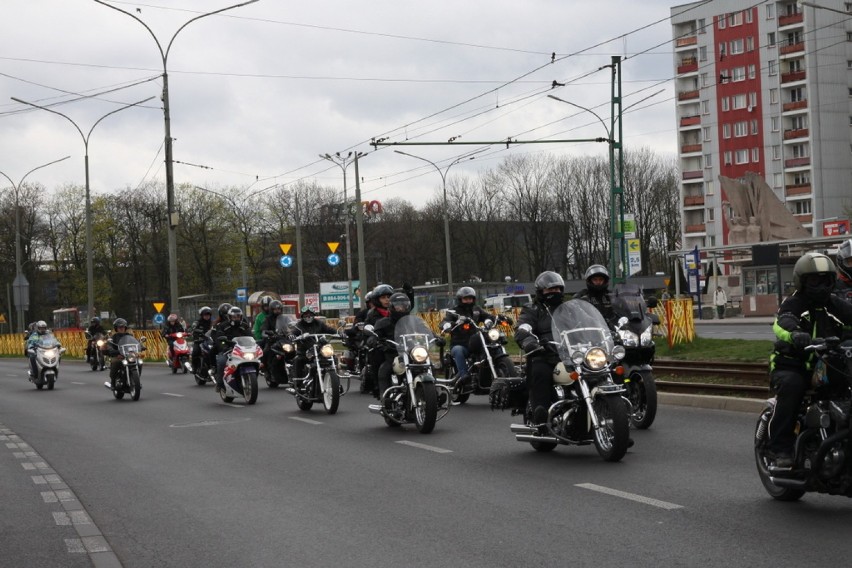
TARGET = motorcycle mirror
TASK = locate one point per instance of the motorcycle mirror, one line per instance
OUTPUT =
(622, 321)
(488, 322)
(369, 327)
(144, 339)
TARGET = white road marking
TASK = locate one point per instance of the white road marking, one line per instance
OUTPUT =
(172, 394)
(424, 447)
(76, 383)
(629, 496)
(306, 420)
(75, 546)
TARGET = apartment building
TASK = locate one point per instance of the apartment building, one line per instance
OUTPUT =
(765, 88)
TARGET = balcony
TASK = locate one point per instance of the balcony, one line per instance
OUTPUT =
(688, 65)
(688, 95)
(795, 105)
(792, 77)
(698, 228)
(693, 200)
(807, 218)
(694, 174)
(790, 20)
(792, 48)
(795, 190)
(796, 133)
(797, 162)
(690, 121)
(686, 41)
(690, 148)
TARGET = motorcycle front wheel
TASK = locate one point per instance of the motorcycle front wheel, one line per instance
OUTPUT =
(51, 380)
(250, 387)
(135, 384)
(330, 391)
(642, 393)
(761, 437)
(426, 409)
(612, 437)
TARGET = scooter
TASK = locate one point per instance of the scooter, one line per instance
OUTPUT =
(47, 352)
(180, 353)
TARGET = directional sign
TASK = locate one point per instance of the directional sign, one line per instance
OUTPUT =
(285, 248)
(159, 306)
(286, 261)
(159, 319)
(334, 259)
(242, 294)
(333, 247)
(633, 245)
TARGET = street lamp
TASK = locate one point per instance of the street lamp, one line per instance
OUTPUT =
(446, 209)
(344, 162)
(20, 284)
(170, 184)
(90, 272)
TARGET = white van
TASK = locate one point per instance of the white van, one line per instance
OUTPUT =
(503, 302)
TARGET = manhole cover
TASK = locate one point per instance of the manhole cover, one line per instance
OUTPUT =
(209, 423)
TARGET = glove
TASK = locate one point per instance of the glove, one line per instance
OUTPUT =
(440, 341)
(530, 344)
(445, 327)
(800, 339)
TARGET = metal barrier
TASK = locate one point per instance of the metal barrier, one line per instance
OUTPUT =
(74, 343)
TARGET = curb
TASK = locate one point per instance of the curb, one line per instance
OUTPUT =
(731, 403)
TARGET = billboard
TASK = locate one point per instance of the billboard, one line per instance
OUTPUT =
(334, 296)
(835, 228)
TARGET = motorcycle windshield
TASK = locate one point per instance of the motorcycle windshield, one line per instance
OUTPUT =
(246, 343)
(47, 341)
(578, 326)
(410, 332)
(129, 345)
(284, 324)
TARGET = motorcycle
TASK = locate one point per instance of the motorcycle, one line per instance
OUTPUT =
(355, 360)
(487, 360)
(95, 350)
(634, 328)
(241, 369)
(322, 383)
(280, 353)
(180, 353)
(589, 405)
(823, 446)
(414, 394)
(203, 372)
(48, 353)
(127, 380)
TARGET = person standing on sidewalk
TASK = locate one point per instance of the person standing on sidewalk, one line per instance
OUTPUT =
(720, 300)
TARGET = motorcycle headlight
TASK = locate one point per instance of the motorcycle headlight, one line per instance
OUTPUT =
(419, 354)
(618, 352)
(645, 339)
(248, 356)
(100, 342)
(327, 350)
(595, 359)
(577, 357)
(131, 359)
(629, 338)
(493, 334)
(287, 348)
(50, 353)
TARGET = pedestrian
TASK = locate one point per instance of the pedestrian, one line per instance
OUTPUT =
(720, 300)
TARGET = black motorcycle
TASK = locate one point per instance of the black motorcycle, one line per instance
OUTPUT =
(203, 372)
(128, 379)
(823, 449)
(279, 352)
(355, 360)
(95, 350)
(634, 328)
(322, 383)
(487, 360)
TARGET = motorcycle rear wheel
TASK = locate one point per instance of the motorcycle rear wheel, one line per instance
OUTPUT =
(612, 438)
(330, 391)
(760, 440)
(250, 387)
(426, 411)
(642, 392)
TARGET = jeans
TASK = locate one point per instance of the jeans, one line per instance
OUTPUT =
(789, 386)
(221, 359)
(460, 354)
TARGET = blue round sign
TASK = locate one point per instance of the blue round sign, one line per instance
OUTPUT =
(159, 319)
(286, 261)
(334, 259)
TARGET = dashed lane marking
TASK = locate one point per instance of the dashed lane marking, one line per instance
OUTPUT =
(629, 496)
(435, 449)
(172, 394)
(305, 420)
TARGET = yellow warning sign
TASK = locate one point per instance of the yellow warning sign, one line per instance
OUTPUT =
(159, 306)
(333, 247)
(285, 248)
(2, 318)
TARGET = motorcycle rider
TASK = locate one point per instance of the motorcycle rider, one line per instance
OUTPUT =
(260, 318)
(812, 311)
(534, 331)
(270, 326)
(460, 334)
(223, 334)
(173, 325)
(202, 325)
(119, 329)
(597, 291)
(32, 341)
(843, 287)
(222, 312)
(94, 328)
(307, 324)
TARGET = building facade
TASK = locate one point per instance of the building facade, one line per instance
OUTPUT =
(763, 88)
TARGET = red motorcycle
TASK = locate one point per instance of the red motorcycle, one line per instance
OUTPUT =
(179, 355)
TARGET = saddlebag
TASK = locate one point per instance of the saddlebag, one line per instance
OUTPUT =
(508, 392)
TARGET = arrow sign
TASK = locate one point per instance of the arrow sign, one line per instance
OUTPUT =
(334, 259)
(159, 306)
(285, 248)
(286, 261)
(333, 248)
(159, 319)
(632, 245)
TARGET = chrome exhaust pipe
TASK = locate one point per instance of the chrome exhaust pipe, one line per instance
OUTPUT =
(522, 429)
(531, 438)
(376, 408)
(787, 482)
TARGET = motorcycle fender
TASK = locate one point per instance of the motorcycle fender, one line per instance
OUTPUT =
(248, 367)
(424, 378)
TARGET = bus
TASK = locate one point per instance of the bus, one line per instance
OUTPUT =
(66, 319)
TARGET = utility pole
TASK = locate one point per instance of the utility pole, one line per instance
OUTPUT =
(359, 226)
(343, 162)
(617, 261)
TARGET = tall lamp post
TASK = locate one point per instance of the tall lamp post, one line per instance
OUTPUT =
(443, 175)
(170, 185)
(344, 162)
(21, 285)
(90, 272)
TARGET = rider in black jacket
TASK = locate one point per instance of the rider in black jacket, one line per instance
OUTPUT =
(223, 335)
(597, 291)
(307, 324)
(94, 328)
(460, 334)
(199, 328)
(534, 331)
(843, 286)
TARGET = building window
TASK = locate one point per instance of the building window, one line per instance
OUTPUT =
(741, 157)
(727, 157)
(802, 207)
(738, 101)
(754, 127)
(702, 53)
(726, 131)
(750, 43)
(709, 214)
(848, 36)
(800, 151)
(849, 64)
(748, 16)
(770, 38)
(775, 122)
(752, 100)
(735, 19)
(797, 95)
(773, 96)
(704, 79)
(770, 11)
(706, 133)
(776, 152)
(772, 67)
(798, 122)
(708, 161)
(720, 20)
(739, 74)
(708, 187)
(848, 6)
(701, 25)
(705, 107)
(737, 47)
(722, 51)
(740, 129)
(755, 155)
(777, 180)
(751, 71)
(802, 178)
(726, 104)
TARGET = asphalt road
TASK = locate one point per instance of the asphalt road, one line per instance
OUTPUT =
(181, 479)
(735, 328)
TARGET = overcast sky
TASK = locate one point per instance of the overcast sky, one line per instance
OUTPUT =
(257, 93)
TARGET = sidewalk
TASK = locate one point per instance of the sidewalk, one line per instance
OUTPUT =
(734, 320)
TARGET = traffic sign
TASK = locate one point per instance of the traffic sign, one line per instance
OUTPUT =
(334, 259)
(286, 261)
(285, 248)
(159, 306)
(159, 318)
(242, 294)
(333, 247)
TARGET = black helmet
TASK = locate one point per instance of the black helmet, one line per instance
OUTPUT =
(223, 310)
(119, 322)
(400, 304)
(265, 302)
(235, 315)
(368, 297)
(596, 270)
(96, 320)
(275, 305)
(549, 279)
(466, 292)
(205, 311)
(382, 290)
(814, 276)
(844, 259)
